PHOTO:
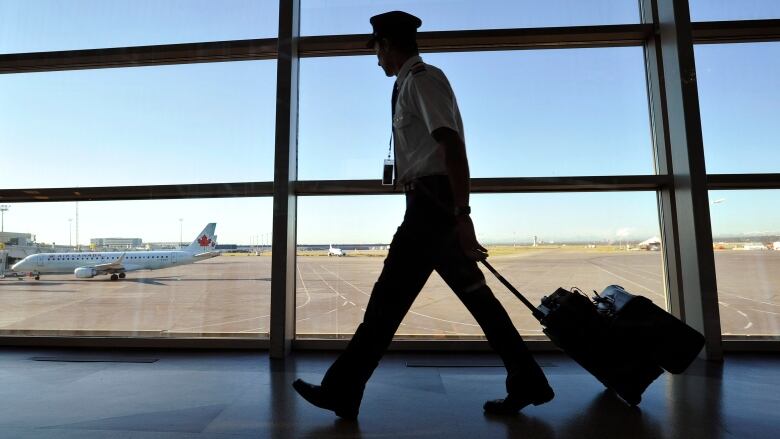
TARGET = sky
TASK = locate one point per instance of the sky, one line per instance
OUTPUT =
(526, 113)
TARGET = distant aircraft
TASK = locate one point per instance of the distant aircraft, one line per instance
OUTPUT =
(652, 244)
(719, 200)
(90, 264)
(333, 251)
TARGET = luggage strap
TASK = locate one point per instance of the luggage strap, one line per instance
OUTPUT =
(536, 313)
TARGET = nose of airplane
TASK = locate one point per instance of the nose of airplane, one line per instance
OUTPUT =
(17, 266)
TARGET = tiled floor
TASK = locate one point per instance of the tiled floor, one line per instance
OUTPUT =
(223, 394)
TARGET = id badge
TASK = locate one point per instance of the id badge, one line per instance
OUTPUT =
(387, 172)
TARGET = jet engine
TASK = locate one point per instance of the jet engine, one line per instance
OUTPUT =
(85, 272)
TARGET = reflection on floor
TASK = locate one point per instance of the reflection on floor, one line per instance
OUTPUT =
(243, 394)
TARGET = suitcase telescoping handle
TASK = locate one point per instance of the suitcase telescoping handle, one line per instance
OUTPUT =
(538, 314)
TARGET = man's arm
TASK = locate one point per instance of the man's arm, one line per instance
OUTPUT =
(460, 180)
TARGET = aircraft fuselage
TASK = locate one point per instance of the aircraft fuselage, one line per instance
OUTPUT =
(67, 263)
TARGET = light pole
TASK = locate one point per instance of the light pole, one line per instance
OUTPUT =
(3, 209)
(78, 248)
(180, 226)
(70, 231)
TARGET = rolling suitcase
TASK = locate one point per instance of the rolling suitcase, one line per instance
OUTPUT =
(671, 343)
(613, 336)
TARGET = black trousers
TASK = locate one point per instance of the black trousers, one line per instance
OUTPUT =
(424, 242)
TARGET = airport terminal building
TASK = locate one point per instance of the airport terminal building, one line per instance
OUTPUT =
(116, 243)
(609, 142)
(9, 239)
(15, 247)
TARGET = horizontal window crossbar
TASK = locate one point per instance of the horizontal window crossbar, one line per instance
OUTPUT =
(137, 56)
(497, 185)
(342, 45)
(492, 39)
(736, 31)
(240, 50)
(743, 181)
(331, 187)
(173, 191)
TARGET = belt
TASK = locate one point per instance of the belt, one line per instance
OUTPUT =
(412, 185)
(421, 182)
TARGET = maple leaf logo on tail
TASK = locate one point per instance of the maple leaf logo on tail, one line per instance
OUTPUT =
(204, 241)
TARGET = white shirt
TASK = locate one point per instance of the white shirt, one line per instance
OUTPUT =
(425, 102)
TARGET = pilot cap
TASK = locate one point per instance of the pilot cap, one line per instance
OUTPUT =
(393, 24)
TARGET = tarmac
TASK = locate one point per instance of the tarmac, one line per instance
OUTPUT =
(229, 296)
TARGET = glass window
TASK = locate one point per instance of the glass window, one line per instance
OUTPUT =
(746, 237)
(525, 113)
(738, 93)
(538, 241)
(328, 17)
(175, 275)
(196, 123)
(49, 25)
(722, 10)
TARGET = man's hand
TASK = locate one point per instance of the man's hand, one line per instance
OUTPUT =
(467, 239)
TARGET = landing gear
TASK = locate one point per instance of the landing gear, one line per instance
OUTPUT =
(37, 277)
(121, 275)
(114, 277)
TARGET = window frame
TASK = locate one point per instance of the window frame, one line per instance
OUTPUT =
(662, 20)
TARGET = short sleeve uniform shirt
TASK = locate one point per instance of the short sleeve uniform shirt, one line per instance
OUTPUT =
(425, 102)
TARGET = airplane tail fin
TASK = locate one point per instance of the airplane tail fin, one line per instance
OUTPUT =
(205, 242)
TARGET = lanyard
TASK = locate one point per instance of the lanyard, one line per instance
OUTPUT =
(390, 143)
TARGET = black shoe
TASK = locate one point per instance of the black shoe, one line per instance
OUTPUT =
(316, 396)
(513, 403)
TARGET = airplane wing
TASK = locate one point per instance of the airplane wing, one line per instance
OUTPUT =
(112, 267)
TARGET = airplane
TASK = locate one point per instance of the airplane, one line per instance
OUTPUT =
(651, 244)
(333, 251)
(90, 264)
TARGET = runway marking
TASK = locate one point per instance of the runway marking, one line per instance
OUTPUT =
(766, 312)
(747, 298)
(345, 281)
(303, 284)
(433, 330)
(629, 271)
(626, 279)
(61, 306)
(444, 320)
(327, 284)
(500, 267)
(209, 325)
(655, 276)
(748, 319)
(749, 323)
(410, 312)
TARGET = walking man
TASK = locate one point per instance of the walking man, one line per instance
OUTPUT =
(436, 234)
